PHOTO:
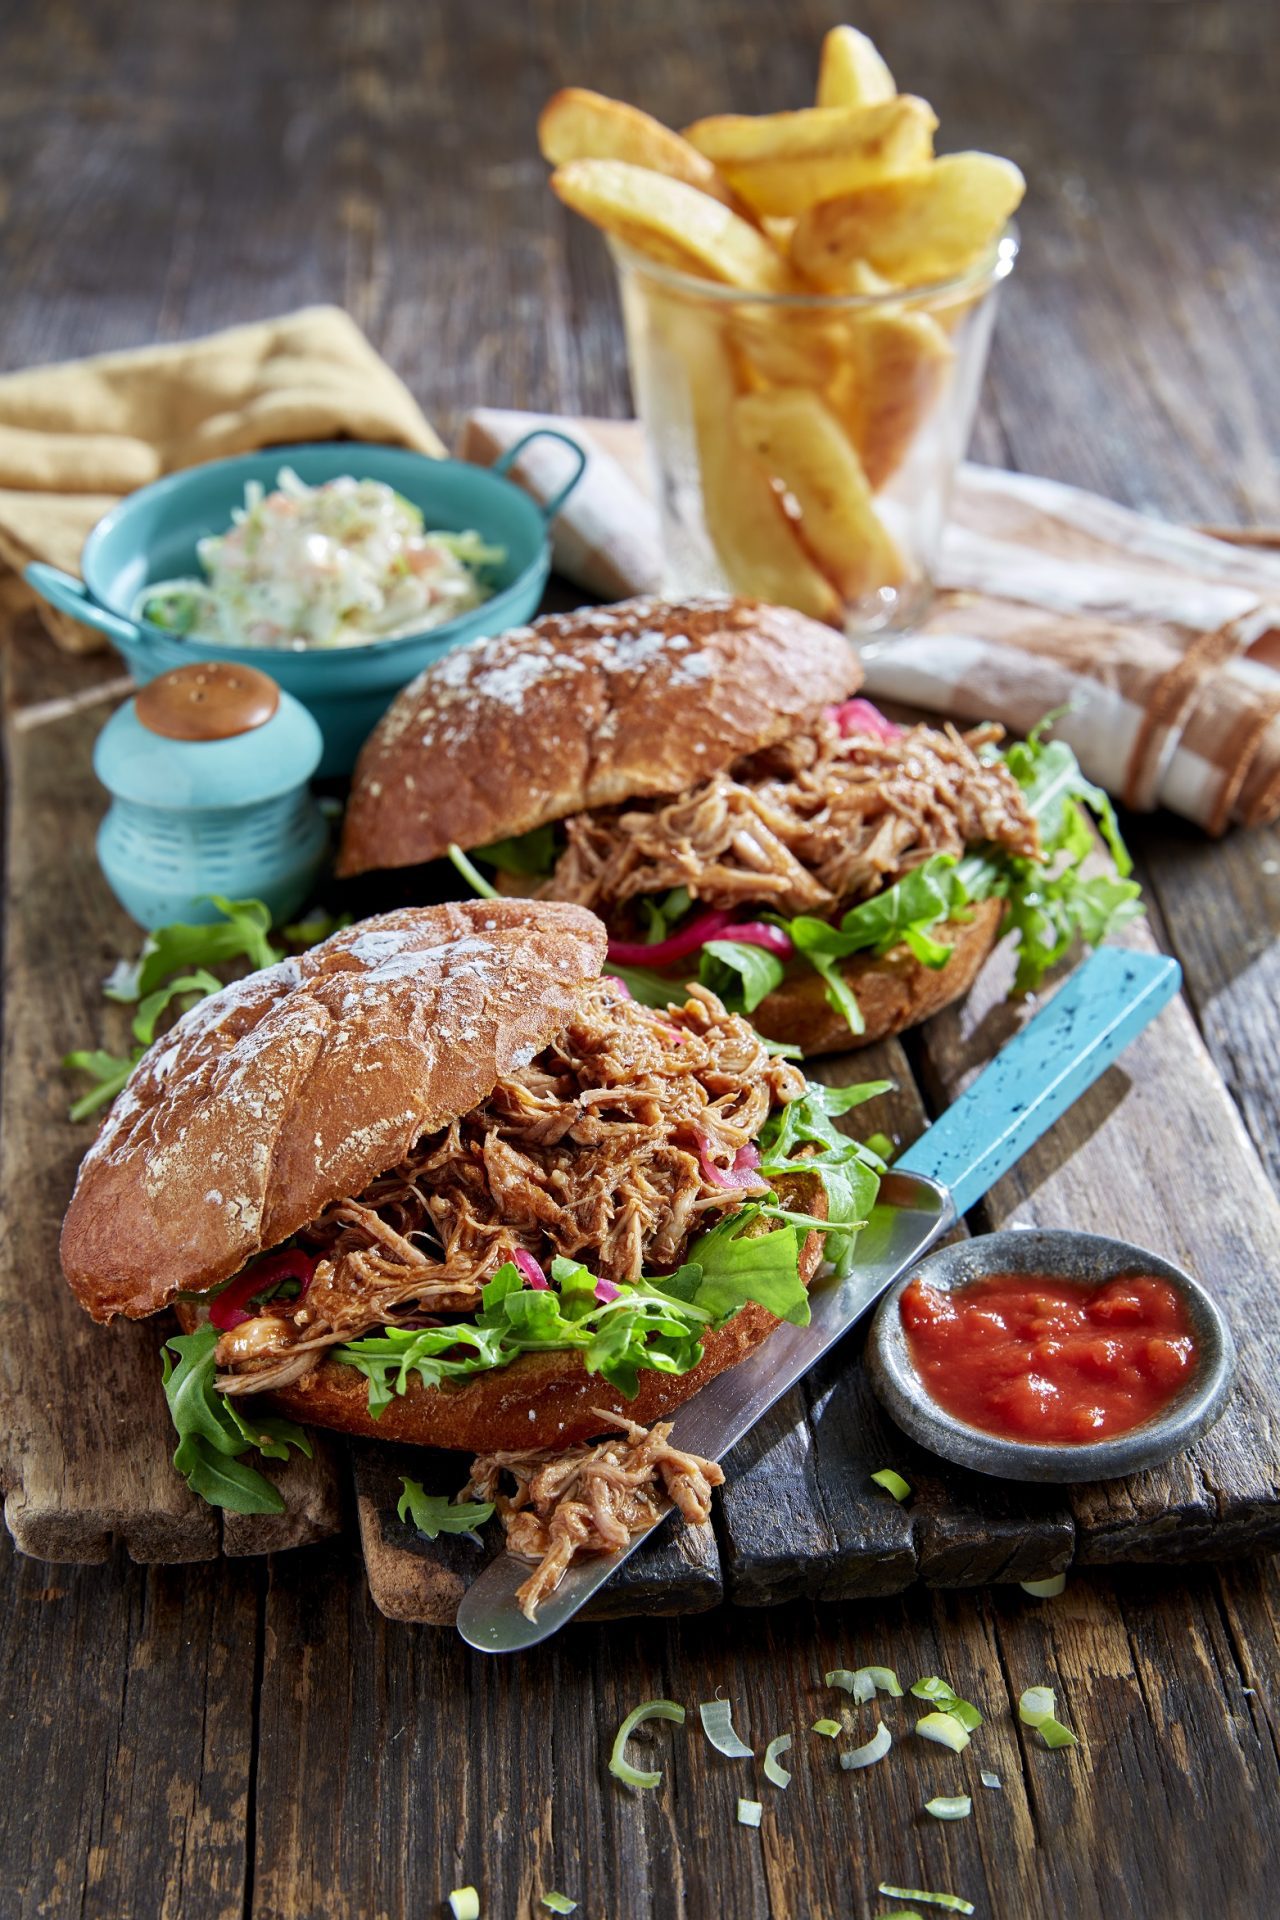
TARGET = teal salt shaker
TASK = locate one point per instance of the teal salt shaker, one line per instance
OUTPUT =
(207, 767)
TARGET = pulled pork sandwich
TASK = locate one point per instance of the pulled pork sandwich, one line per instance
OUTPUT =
(438, 1179)
(701, 775)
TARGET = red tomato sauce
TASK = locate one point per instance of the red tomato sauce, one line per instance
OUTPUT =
(1032, 1357)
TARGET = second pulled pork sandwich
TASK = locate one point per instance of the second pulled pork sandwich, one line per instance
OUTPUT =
(701, 775)
(439, 1180)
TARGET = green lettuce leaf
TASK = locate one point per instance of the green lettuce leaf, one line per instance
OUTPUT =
(214, 1434)
(740, 974)
(433, 1515)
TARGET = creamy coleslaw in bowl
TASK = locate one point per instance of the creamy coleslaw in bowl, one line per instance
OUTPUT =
(337, 565)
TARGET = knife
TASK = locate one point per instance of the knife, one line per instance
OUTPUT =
(1031, 1082)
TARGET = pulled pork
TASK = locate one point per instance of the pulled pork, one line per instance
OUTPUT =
(589, 1499)
(614, 1145)
(817, 822)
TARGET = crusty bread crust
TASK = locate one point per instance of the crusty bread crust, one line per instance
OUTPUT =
(894, 990)
(301, 1083)
(580, 710)
(540, 1400)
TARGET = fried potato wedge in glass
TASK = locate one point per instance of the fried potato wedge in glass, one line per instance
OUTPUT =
(577, 124)
(890, 378)
(755, 542)
(782, 163)
(804, 449)
(852, 72)
(914, 228)
(673, 223)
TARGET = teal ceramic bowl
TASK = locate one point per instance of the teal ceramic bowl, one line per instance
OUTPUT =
(151, 535)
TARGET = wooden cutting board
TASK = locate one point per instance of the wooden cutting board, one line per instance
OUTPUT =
(1156, 1153)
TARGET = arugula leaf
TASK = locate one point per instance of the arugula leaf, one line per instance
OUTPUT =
(317, 926)
(109, 1072)
(735, 1266)
(433, 1515)
(739, 973)
(532, 853)
(650, 989)
(387, 1359)
(213, 1433)
(661, 915)
(201, 982)
(849, 1171)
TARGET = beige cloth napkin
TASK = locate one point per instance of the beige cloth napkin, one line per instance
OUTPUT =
(1162, 644)
(75, 437)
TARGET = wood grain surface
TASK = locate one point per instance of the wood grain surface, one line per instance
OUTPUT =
(253, 1737)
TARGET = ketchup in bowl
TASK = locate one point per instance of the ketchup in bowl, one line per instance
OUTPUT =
(1036, 1358)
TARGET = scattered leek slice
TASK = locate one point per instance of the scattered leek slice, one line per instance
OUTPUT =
(892, 1482)
(988, 1778)
(464, 1903)
(718, 1727)
(1035, 1709)
(866, 1756)
(619, 1766)
(1044, 1589)
(956, 1806)
(884, 1680)
(828, 1727)
(559, 1903)
(773, 1770)
(472, 875)
(951, 1901)
(943, 1695)
(749, 1813)
(858, 1684)
(944, 1729)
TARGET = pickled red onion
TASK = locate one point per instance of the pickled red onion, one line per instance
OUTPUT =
(606, 1291)
(860, 716)
(745, 1162)
(229, 1308)
(704, 927)
(531, 1270)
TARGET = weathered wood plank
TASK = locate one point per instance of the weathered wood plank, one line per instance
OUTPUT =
(1155, 1153)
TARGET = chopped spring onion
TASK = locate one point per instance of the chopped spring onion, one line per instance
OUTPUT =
(472, 875)
(718, 1727)
(988, 1778)
(885, 1680)
(956, 1806)
(559, 1903)
(619, 1766)
(892, 1482)
(1035, 1709)
(945, 1729)
(858, 1684)
(828, 1727)
(464, 1902)
(951, 1901)
(866, 1756)
(1044, 1589)
(749, 1812)
(944, 1696)
(773, 1770)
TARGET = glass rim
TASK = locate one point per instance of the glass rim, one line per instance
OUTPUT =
(996, 265)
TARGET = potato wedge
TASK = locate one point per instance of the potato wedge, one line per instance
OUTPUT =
(673, 223)
(917, 227)
(896, 366)
(577, 124)
(782, 163)
(788, 348)
(851, 72)
(755, 542)
(803, 447)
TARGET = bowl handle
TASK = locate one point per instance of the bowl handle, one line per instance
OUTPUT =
(549, 508)
(69, 595)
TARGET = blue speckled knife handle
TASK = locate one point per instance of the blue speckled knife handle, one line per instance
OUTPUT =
(1090, 1020)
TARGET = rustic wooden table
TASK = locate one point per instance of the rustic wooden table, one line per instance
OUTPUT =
(253, 1738)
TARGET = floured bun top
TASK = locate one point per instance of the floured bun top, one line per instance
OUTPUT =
(581, 710)
(300, 1084)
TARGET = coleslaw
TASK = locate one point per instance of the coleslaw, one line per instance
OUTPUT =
(337, 565)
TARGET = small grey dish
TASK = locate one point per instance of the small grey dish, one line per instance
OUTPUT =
(1071, 1256)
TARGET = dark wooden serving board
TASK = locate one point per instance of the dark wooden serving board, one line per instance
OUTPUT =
(1156, 1152)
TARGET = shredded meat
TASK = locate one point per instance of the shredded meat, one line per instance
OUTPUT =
(817, 822)
(599, 1149)
(589, 1499)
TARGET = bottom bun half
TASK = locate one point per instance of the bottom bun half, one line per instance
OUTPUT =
(540, 1400)
(894, 990)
